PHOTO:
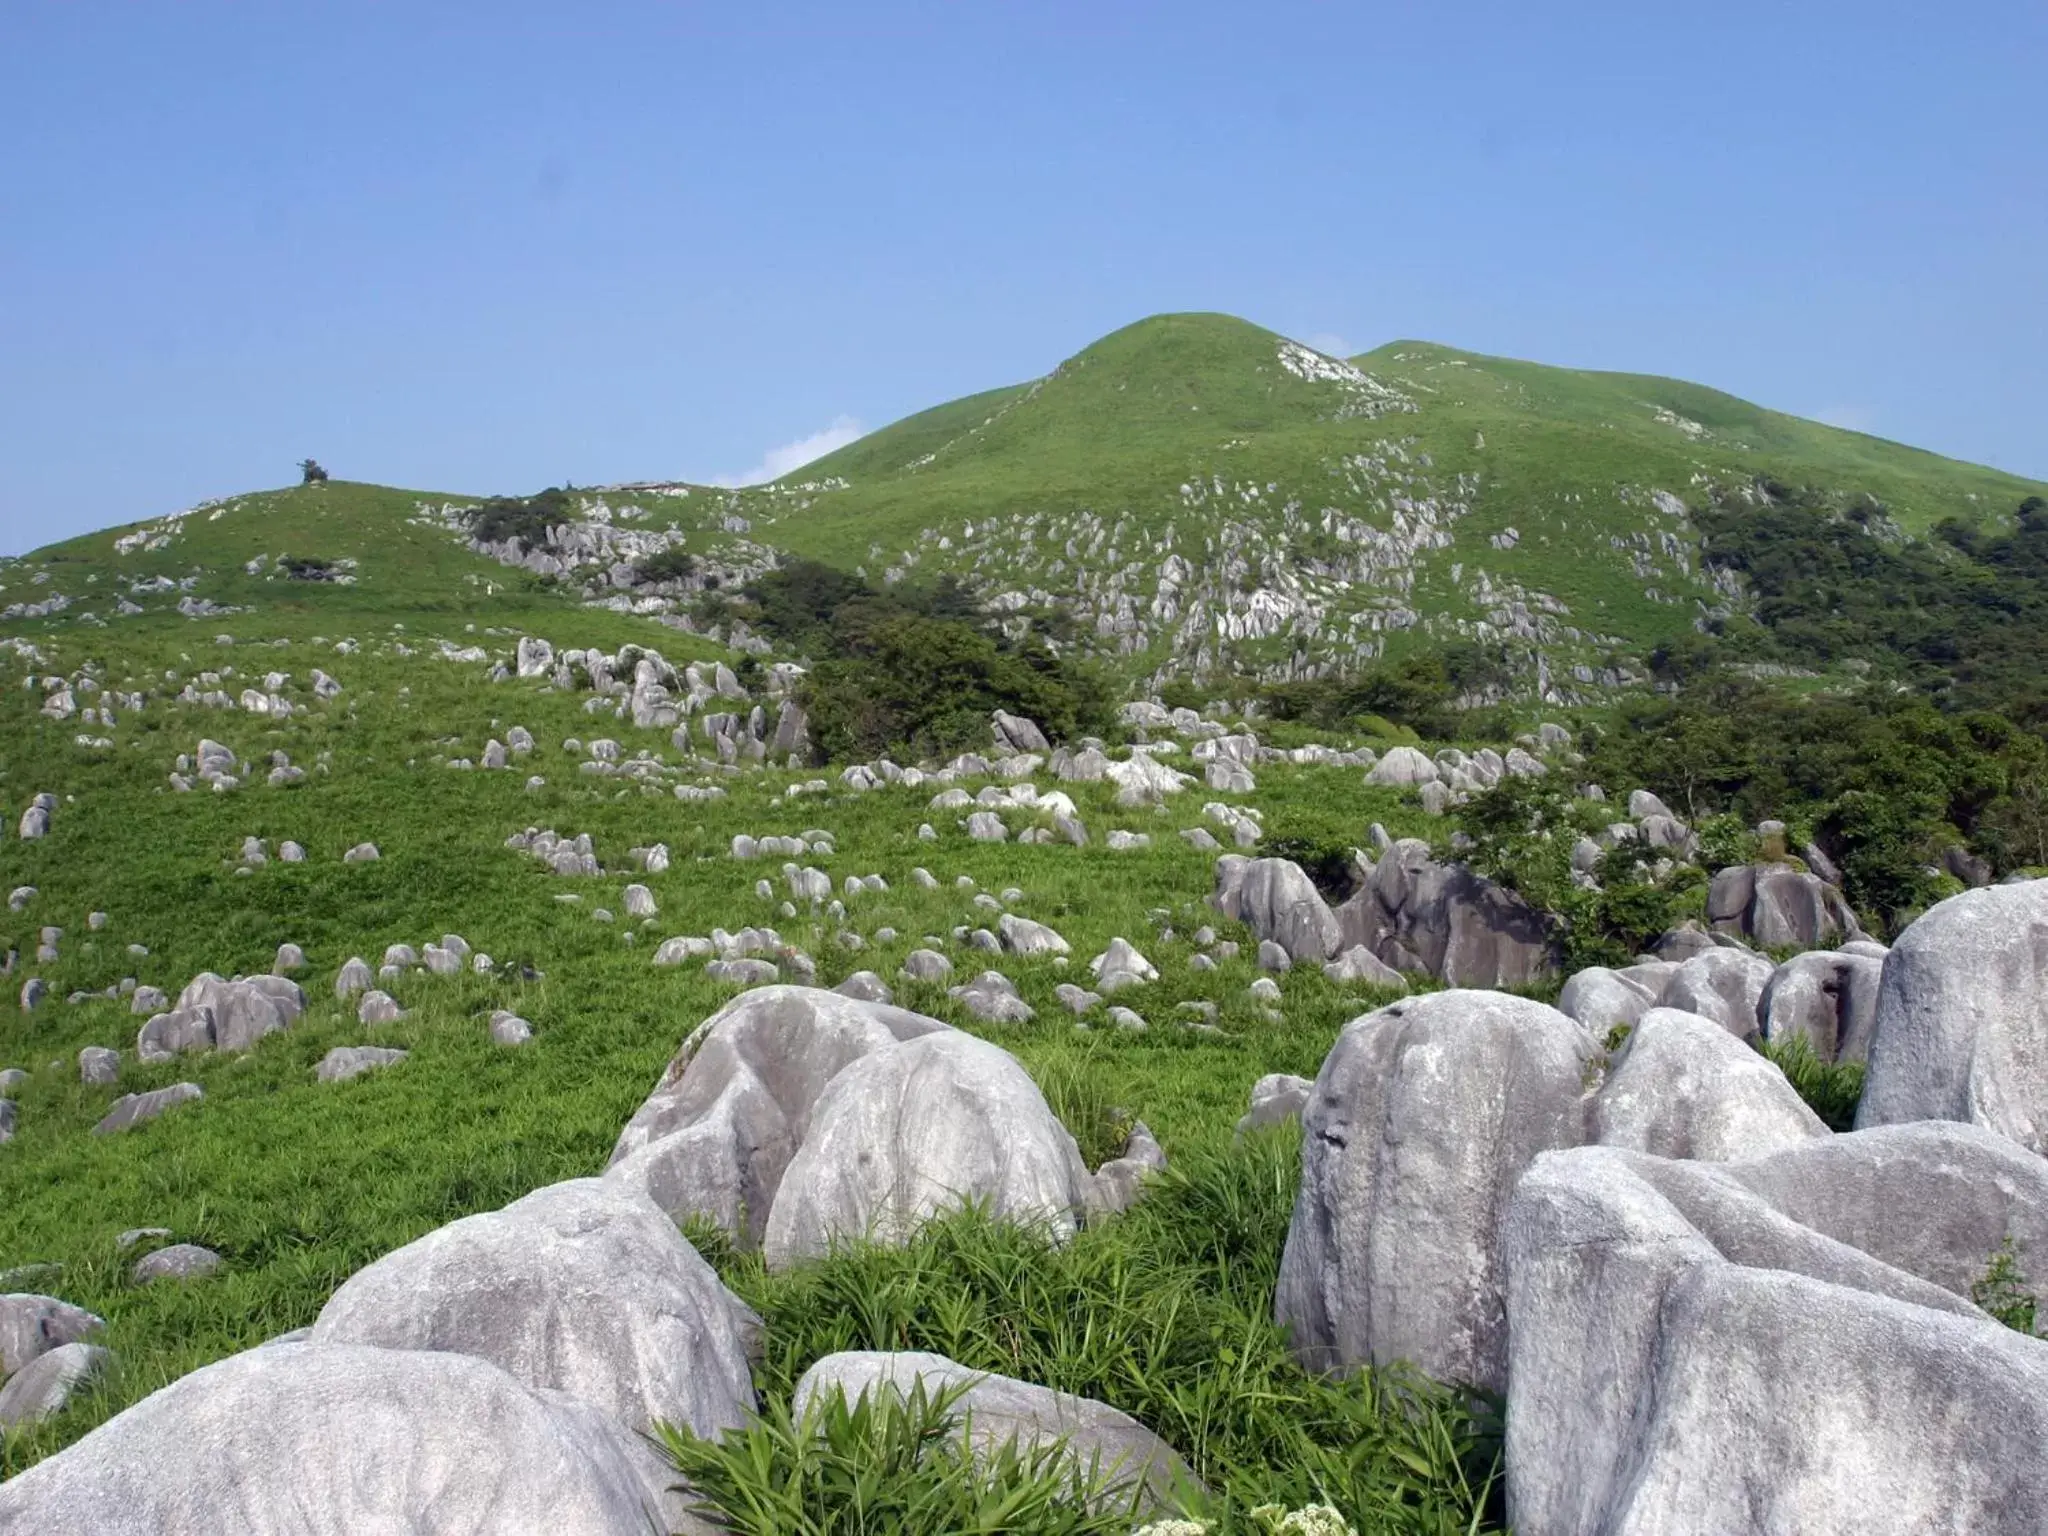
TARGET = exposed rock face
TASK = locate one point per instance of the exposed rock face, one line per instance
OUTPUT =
(716, 1135)
(1683, 1086)
(293, 1438)
(1014, 733)
(1683, 1352)
(585, 1287)
(1002, 1410)
(1724, 985)
(1276, 899)
(180, 1261)
(1359, 964)
(44, 1386)
(131, 1109)
(347, 1061)
(1775, 906)
(1423, 1117)
(1418, 915)
(1962, 1017)
(1827, 998)
(1403, 767)
(31, 1326)
(906, 1132)
(1601, 998)
(1276, 1098)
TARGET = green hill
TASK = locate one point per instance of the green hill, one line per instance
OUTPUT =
(1198, 496)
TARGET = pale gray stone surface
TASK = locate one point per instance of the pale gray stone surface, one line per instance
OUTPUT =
(99, 1065)
(916, 1129)
(717, 1133)
(44, 1386)
(1776, 906)
(585, 1287)
(1724, 985)
(180, 1261)
(1601, 998)
(1277, 1097)
(329, 1440)
(1359, 964)
(1417, 914)
(1276, 900)
(1685, 1357)
(1827, 998)
(34, 1325)
(131, 1109)
(1423, 1117)
(347, 1061)
(1962, 1017)
(1682, 1086)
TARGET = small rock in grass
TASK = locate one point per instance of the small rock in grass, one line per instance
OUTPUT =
(347, 1061)
(131, 1109)
(362, 853)
(507, 1028)
(378, 1007)
(99, 1065)
(180, 1261)
(135, 1235)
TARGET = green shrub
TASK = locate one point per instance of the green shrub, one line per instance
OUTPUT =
(671, 564)
(1832, 1089)
(525, 518)
(885, 1464)
(2002, 1291)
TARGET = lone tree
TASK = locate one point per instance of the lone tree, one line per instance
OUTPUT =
(311, 473)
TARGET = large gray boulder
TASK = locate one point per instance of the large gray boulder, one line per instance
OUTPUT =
(1014, 733)
(1828, 999)
(1776, 906)
(1417, 914)
(1686, 1357)
(1276, 900)
(244, 1010)
(715, 1136)
(333, 1440)
(585, 1287)
(1682, 1086)
(1133, 1464)
(1601, 998)
(1962, 1017)
(34, 1325)
(905, 1133)
(1724, 985)
(1423, 1117)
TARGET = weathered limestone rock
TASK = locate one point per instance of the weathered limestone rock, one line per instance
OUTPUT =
(1682, 1086)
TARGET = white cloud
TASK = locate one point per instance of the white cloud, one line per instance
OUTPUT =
(1330, 344)
(780, 460)
(1851, 418)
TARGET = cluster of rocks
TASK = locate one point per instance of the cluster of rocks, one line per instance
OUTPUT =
(1410, 913)
(1626, 1242)
(35, 818)
(564, 855)
(46, 1355)
(796, 1119)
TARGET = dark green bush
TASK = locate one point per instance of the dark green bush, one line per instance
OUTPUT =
(671, 564)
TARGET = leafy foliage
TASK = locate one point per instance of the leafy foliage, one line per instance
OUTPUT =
(1831, 1089)
(310, 472)
(2002, 1291)
(672, 564)
(526, 518)
(888, 1463)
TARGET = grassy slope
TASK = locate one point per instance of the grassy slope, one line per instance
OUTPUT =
(298, 1183)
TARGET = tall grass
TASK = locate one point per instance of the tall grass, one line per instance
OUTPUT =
(1165, 1313)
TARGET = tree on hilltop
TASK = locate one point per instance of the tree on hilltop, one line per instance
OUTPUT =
(310, 472)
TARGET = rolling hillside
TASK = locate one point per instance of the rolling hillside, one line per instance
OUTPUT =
(1197, 495)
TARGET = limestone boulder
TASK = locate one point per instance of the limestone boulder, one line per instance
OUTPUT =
(584, 1287)
(904, 1133)
(1724, 985)
(1276, 900)
(1962, 1017)
(1133, 1465)
(1826, 997)
(1683, 1086)
(1424, 1116)
(1775, 906)
(293, 1439)
(717, 1133)
(1418, 914)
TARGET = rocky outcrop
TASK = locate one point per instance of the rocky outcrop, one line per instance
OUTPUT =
(1961, 1031)
(1417, 914)
(585, 1288)
(297, 1437)
(1776, 906)
(1826, 998)
(1682, 1086)
(1685, 1355)
(1422, 1119)
(1724, 985)
(1276, 900)
(907, 1132)
(715, 1136)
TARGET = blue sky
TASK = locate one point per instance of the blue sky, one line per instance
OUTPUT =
(492, 247)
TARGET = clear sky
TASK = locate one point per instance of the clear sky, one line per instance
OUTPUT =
(496, 246)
